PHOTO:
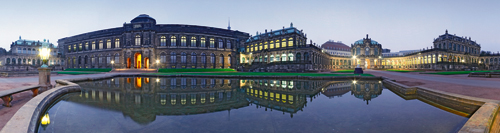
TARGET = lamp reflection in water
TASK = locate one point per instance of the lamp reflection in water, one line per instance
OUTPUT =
(45, 121)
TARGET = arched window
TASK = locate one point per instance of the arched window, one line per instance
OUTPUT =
(283, 57)
(358, 50)
(24, 50)
(183, 41)
(117, 43)
(212, 58)
(183, 57)
(80, 48)
(163, 58)
(13, 61)
(221, 43)
(212, 41)
(137, 40)
(271, 46)
(24, 61)
(221, 59)
(265, 45)
(193, 58)
(108, 44)
(248, 49)
(277, 44)
(265, 58)
(93, 45)
(298, 57)
(87, 46)
(100, 44)
(202, 42)
(306, 56)
(173, 41)
(278, 57)
(163, 41)
(193, 41)
(290, 57)
(290, 42)
(271, 59)
(173, 57)
(283, 43)
(7, 61)
(74, 47)
(203, 58)
(260, 46)
(260, 58)
(117, 58)
(228, 44)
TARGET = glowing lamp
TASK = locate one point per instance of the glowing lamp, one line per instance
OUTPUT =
(45, 120)
(157, 61)
(354, 57)
(44, 55)
(112, 62)
(354, 81)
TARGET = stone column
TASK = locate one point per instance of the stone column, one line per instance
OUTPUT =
(44, 79)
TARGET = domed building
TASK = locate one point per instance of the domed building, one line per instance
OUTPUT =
(366, 52)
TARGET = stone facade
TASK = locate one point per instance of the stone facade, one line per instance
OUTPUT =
(23, 56)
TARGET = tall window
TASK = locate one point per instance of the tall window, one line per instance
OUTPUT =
(193, 41)
(80, 47)
(212, 42)
(93, 45)
(290, 42)
(137, 40)
(108, 43)
(108, 60)
(265, 45)
(248, 48)
(87, 46)
(183, 41)
(203, 58)
(74, 49)
(21, 51)
(173, 41)
(271, 46)
(183, 57)
(117, 43)
(193, 58)
(277, 44)
(212, 58)
(163, 41)
(221, 58)
(163, 58)
(117, 58)
(100, 60)
(290, 57)
(283, 43)
(221, 44)
(100, 44)
(260, 46)
(202, 43)
(172, 57)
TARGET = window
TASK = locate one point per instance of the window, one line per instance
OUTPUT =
(193, 58)
(108, 43)
(163, 41)
(290, 42)
(228, 44)
(21, 51)
(283, 43)
(283, 57)
(137, 40)
(265, 45)
(193, 41)
(203, 58)
(80, 47)
(172, 57)
(221, 44)
(183, 57)
(74, 49)
(173, 41)
(290, 57)
(202, 43)
(277, 43)
(86, 46)
(117, 58)
(221, 59)
(212, 42)
(108, 60)
(93, 45)
(93, 60)
(183, 41)
(100, 44)
(260, 46)
(163, 58)
(117, 43)
(100, 60)
(212, 58)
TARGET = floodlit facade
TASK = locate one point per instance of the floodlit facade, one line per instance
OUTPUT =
(24, 56)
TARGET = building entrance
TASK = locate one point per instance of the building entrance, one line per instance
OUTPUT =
(367, 63)
(138, 60)
(146, 63)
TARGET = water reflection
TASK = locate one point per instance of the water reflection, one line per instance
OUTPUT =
(142, 100)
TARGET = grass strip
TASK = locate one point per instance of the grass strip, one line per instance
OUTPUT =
(170, 70)
(262, 74)
(89, 69)
(458, 72)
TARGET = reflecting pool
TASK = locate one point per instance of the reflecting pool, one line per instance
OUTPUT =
(183, 104)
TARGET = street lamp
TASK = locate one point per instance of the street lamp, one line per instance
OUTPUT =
(44, 55)
(157, 64)
(112, 64)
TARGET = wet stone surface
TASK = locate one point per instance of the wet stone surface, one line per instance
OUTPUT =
(242, 105)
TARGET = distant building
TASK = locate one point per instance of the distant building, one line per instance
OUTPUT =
(23, 56)
(336, 48)
(386, 50)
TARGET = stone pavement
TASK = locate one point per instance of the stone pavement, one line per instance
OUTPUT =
(459, 84)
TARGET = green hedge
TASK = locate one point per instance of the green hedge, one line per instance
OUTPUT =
(262, 74)
(169, 70)
(459, 72)
(89, 69)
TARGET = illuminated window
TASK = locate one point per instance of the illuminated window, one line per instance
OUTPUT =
(86, 46)
(277, 43)
(183, 41)
(283, 43)
(260, 46)
(283, 57)
(163, 41)
(265, 45)
(137, 40)
(108, 43)
(93, 45)
(193, 41)
(117, 43)
(212, 42)
(172, 41)
(202, 43)
(100, 44)
(290, 42)
(290, 57)
(271, 46)
(248, 48)
(80, 47)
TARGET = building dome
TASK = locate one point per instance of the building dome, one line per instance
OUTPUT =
(360, 41)
(144, 18)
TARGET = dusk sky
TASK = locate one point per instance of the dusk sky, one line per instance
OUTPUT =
(397, 25)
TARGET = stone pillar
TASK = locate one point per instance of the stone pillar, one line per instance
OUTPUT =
(44, 79)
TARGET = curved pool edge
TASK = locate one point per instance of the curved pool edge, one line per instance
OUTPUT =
(486, 119)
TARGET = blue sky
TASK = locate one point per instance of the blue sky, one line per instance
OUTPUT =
(397, 25)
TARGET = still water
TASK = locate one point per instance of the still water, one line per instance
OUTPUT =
(140, 104)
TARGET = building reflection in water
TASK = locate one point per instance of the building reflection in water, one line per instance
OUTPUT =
(142, 100)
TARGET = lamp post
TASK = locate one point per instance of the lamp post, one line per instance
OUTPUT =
(157, 64)
(44, 70)
(112, 64)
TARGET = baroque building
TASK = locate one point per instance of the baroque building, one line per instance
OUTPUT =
(24, 56)
(143, 44)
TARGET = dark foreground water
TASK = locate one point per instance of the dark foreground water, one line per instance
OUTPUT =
(243, 105)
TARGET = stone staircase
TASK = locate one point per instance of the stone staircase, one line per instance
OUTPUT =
(135, 70)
